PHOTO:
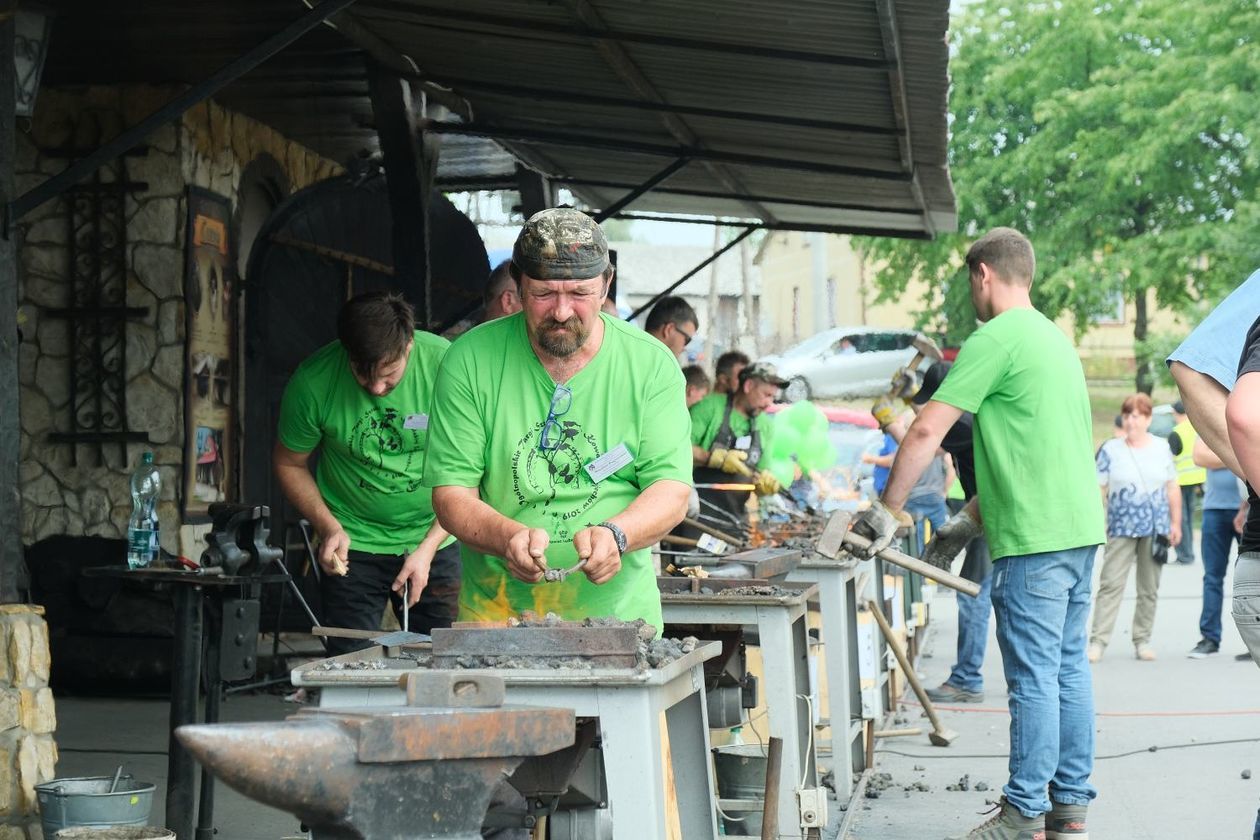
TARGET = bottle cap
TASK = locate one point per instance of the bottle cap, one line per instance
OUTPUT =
(147, 458)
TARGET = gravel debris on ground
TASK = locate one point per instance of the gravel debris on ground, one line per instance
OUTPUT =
(963, 784)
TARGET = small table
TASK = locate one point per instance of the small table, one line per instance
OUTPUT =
(783, 635)
(187, 664)
(628, 704)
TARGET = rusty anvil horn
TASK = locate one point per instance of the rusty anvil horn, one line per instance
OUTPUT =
(286, 766)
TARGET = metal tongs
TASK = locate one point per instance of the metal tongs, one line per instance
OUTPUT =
(557, 575)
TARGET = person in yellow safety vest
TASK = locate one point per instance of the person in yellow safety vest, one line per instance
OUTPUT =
(1189, 476)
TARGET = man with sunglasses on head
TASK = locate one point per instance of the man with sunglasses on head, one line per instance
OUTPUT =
(363, 401)
(559, 448)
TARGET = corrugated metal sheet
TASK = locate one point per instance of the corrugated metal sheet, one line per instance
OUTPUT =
(771, 88)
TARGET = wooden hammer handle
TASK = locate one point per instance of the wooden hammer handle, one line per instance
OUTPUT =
(904, 661)
(914, 564)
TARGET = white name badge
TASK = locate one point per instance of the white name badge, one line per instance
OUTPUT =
(608, 463)
(711, 544)
(416, 421)
(743, 442)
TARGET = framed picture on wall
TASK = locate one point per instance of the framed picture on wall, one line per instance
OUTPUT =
(210, 364)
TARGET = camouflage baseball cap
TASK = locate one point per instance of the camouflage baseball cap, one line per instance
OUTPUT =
(764, 371)
(561, 244)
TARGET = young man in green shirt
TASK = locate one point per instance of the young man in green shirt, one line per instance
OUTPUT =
(1036, 487)
(364, 401)
(728, 438)
(559, 441)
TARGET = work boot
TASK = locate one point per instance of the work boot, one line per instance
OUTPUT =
(1066, 822)
(1204, 649)
(949, 693)
(1007, 824)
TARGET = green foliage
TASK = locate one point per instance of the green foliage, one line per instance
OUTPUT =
(1121, 137)
(1153, 350)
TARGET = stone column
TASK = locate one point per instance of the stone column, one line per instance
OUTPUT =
(28, 753)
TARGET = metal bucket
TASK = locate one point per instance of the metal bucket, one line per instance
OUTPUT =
(86, 802)
(144, 832)
(741, 774)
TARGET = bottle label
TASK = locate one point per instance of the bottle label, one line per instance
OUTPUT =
(140, 547)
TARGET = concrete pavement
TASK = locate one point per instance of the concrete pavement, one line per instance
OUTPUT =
(1174, 736)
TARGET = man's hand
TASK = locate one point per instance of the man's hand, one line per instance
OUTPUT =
(1174, 534)
(904, 384)
(767, 484)
(884, 411)
(952, 538)
(729, 461)
(1240, 518)
(878, 524)
(597, 546)
(415, 570)
(526, 554)
(334, 552)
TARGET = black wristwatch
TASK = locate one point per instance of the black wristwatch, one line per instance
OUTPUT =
(618, 535)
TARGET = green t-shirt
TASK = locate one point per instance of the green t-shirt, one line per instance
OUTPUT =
(1034, 446)
(489, 408)
(371, 449)
(706, 420)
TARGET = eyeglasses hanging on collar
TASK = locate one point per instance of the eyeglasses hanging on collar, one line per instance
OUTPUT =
(552, 435)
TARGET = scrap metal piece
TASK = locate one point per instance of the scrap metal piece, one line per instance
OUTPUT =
(613, 646)
(557, 575)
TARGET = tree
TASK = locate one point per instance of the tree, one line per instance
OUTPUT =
(1119, 136)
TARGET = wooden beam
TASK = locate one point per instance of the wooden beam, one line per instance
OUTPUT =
(407, 178)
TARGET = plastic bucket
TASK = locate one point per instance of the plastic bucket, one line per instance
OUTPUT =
(741, 774)
(85, 801)
(144, 832)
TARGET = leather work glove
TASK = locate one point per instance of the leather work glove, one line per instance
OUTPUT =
(904, 384)
(952, 538)
(878, 524)
(884, 411)
(767, 484)
(693, 503)
(729, 461)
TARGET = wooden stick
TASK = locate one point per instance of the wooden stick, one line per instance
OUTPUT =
(941, 733)
(898, 733)
(670, 538)
(714, 532)
(914, 564)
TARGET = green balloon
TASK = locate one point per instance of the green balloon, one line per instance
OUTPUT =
(782, 469)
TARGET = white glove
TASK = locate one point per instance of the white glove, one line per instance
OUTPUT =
(952, 538)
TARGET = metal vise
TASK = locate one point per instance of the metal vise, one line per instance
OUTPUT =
(425, 770)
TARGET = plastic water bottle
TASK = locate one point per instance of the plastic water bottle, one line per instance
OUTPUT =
(142, 528)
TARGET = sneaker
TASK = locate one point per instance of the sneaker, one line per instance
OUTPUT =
(1204, 649)
(1066, 822)
(1094, 652)
(1007, 824)
(947, 693)
(1144, 652)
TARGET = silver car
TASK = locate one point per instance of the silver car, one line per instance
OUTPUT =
(844, 362)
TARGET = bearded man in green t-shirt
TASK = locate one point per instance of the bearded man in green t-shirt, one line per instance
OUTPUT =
(1038, 499)
(729, 436)
(559, 448)
(363, 401)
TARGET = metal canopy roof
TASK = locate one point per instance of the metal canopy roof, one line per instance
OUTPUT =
(802, 114)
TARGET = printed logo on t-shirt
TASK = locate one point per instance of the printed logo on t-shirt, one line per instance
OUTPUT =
(391, 454)
(553, 480)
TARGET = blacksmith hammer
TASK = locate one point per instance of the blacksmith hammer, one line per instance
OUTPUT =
(939, 736)
(836, 537)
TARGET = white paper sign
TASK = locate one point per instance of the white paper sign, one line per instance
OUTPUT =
(744, 442)
(711, 544)
(416, 421)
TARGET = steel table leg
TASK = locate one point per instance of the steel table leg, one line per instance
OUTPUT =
(785, 678)
(185, 682)
(688, 724)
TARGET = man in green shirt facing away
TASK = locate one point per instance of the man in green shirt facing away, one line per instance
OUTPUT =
(728, 438)
(1038, 497)
(364, 401)
(559, 438)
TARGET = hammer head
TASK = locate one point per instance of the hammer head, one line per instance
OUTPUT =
(831, 540)
(942, 737)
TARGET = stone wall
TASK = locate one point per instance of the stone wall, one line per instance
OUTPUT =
(209, 148)
(28, 753)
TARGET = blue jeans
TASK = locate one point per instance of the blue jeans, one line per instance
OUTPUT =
(1041, 602)
(1185, 548)
(1217, 534)
(931, 508)
(973, 633)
